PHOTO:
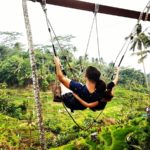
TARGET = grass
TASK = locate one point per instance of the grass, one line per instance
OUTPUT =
(125, 110)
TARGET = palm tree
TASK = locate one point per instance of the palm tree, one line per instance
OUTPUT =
(141, 42)
(34, 75)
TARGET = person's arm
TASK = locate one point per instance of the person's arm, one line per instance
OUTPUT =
(88, 105)
(116, 76)
(61, 77)
(110, 87)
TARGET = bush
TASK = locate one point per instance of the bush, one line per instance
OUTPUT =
(65, 138)
(44, 85)
(141, 137)
(52, 126)
(3, 85)
(80, 144)
(11, 109)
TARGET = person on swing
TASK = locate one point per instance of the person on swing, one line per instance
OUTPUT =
(94, 94)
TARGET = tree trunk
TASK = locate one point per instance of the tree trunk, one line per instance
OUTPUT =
(34, 75)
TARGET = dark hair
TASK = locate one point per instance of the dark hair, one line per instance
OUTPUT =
(108, 93)
(93, 74)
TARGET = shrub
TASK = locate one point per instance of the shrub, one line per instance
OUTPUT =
(80, 144)
(11, 109)
(65, 138)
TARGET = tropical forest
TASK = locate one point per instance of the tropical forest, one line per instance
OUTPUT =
(31, 118)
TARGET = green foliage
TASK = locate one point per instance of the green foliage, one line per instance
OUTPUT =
(3, 85)
(3, 52)
(9, 39)
(15, 67)
(51, 124)
(14, 70)
(78, 144)
(63, 139)
(61, 133)
(141, 42)
(122, 118)
(11, 109)
(139, 138)
(132, 79)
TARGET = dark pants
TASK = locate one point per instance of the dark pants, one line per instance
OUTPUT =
(71, 102)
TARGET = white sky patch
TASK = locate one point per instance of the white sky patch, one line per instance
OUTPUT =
(112, 29)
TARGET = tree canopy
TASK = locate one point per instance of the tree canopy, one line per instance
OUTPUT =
(15, 68)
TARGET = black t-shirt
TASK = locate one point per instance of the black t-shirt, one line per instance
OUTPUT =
(83, 93)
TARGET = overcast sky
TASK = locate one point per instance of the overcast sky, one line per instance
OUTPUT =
(112, 29)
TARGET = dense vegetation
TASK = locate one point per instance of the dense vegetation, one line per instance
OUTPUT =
(123, 124)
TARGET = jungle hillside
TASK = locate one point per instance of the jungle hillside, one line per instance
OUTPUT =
(123, 125)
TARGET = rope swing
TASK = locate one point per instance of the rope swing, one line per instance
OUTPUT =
(124, 48)
(50, 28)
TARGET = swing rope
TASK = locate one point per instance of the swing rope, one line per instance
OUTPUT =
(89, 37)
(129, 38)
(133, 33)
(50, 30)
(80, 127)
(94, 20)
(96, 23)
(90, 33)
(43, 5)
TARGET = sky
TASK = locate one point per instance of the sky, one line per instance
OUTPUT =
(112, 29)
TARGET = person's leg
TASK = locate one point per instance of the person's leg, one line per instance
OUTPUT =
(64, 90)
(71, 102)
(68, 99)
(56, 92)
(59, 90)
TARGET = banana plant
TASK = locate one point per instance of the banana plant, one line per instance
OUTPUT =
(140, 43)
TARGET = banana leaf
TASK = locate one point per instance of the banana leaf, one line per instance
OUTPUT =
(132, 48)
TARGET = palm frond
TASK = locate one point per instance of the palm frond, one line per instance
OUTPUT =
(141, 53)
(142, 58)
(145, 39)
(132, 48)
(139, 44)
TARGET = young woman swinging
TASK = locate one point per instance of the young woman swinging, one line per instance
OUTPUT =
(94, 94)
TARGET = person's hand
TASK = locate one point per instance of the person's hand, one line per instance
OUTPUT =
(57, 61)
(75, 95)
(116, 70)
(116, 74)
